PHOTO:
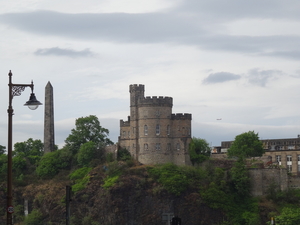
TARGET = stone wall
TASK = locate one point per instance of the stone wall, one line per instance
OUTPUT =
(261, 179)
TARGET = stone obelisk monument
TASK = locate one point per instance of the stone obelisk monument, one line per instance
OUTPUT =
(49, 145)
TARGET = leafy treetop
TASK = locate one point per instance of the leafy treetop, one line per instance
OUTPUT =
(2, 149)
(87, 129)
(29, 148)
(246, 145)
(199, 150)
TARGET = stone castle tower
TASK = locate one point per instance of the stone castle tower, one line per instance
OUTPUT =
(152, 134)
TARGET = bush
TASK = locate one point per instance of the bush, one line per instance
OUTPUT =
(86, 153)
(174, 179)
(52, 162)
(288, 216)
(80, 173)
(81, 178)
(109, 157)
(80, 184)
(34, 218)
(123, 154)
(110, 181)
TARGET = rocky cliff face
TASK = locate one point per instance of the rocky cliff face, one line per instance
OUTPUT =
(135, 199)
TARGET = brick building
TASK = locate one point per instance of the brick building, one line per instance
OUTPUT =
(152, 134)
(284, 152)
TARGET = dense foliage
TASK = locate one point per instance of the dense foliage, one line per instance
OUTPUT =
(75, 164)
(2, 149)
(34, 218)
(87, 129)
(218, 189)
(123, 154)
(80, 178)
(53, 162)
(176, 179)
(199, 150)
(246, 145)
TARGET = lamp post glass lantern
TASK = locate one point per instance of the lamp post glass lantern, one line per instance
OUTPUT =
(32, 103)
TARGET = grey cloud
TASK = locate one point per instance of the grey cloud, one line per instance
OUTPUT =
(63, 52)
(116, 27)
(221, 10)
(295, 55)
(148, 28)
(262, 77)
(220, 77)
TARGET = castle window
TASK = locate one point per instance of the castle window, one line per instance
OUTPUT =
(168, 130)
(278, 158)
(157, 130)
(157, 146)
(128, 133)
(145, 147)
(289, 168)
(289, 158)
(145, 130)
(157, 113)
(298, 159)
(169, 146)
(178, 146)
(124, 134)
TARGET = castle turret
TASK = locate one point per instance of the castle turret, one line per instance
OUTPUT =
(136, 94)
(152, 133)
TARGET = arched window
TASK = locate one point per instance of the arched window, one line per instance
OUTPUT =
(178, 146)
(157, 130)
(145, 130)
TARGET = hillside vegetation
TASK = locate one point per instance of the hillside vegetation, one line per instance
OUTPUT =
(109, 190)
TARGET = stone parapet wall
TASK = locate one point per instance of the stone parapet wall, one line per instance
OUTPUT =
(181, 116)
(156, 101)
(262, 179)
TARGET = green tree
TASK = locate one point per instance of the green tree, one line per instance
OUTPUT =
(199, 150)
(246, 145)
(30, 149)
(3, 167)
(2, 149)
(87, 129)
(52, 162)
(288, 216)
(240, 178)
(123, 154)
(86, 153)
(3, 163)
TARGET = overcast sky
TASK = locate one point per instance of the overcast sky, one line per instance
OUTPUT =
(234, 65)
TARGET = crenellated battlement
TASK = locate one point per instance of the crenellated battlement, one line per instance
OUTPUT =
(181, 116)
(136, 87)
(124, 123)
(156, 101)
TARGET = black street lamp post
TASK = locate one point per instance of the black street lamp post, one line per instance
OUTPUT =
(15, 90)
